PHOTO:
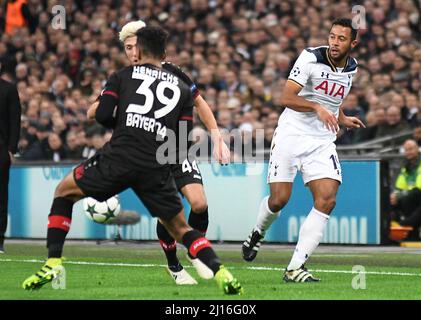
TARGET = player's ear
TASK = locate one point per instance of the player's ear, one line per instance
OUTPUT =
(354, 43)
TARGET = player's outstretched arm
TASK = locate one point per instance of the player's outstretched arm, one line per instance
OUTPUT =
(292, 100)
(349, 122)
(220, 150)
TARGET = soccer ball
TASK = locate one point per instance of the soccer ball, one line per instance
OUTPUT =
(101, 212)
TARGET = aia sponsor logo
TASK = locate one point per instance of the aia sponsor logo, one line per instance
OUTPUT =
(331, 89)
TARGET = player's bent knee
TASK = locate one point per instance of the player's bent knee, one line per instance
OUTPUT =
(61, 190)
(199, 205)
(68, 188)
(178, 231)
(177, 226)
(325, 205)
(276, 203)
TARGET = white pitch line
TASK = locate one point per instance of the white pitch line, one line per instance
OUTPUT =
(139, 265)
(340, 255)
(112, 264)
(380, 273)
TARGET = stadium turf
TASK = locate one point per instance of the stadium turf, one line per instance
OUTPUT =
(137, 272)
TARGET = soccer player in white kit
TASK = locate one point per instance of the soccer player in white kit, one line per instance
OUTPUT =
(304, 140)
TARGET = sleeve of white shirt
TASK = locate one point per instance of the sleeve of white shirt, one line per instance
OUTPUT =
(302, 68)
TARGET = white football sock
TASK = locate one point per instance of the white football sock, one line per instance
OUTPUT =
(265, 217)
(311, 233)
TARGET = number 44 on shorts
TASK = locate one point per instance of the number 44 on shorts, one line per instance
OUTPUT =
(186, 166)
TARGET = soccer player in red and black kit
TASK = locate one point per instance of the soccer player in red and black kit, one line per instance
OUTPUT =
(186, 172)
(150, 101)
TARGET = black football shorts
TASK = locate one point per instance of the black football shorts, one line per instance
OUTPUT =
(101, 178)
(186, 173)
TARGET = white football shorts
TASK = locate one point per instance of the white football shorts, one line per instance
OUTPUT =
(314, 158)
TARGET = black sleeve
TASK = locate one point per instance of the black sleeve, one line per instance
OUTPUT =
(176, 70)
(14, 106)
(186, 113)
(108, 101)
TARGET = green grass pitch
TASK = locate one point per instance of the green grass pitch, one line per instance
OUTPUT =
(136, 272)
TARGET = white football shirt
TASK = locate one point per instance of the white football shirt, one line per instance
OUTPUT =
(321, 83)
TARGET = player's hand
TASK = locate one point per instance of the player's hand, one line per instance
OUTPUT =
(328, 118)
(352, 123)
(221, 153)
(90, 114)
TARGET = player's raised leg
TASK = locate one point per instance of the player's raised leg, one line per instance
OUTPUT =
(93, 177)
(200, 247)
(311, 231)
(269, 209)
(59, 221)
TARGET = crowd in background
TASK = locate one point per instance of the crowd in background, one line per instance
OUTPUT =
(238, 52)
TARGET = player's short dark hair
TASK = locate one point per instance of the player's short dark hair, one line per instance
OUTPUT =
(152, 40)
(347, 23)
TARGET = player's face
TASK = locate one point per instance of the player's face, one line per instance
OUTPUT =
(132, 52)
(340, 42)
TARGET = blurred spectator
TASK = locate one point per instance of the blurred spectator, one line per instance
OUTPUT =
(58, 125)
(380, 114)
(94, 140)
(351, 109)
(398, 101)
(224, 120)
(22, 72)
(73, 149)
(85, 85)
(414, 106)
(55, 150)
(17, 15)
(394, 123)
(272, 120)
(97, 141)
(239, 54)
(406, 198)
(28, 134)
(268, 137)
(417, 134)
(202, 140)
(37, 150)
(369, 132)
